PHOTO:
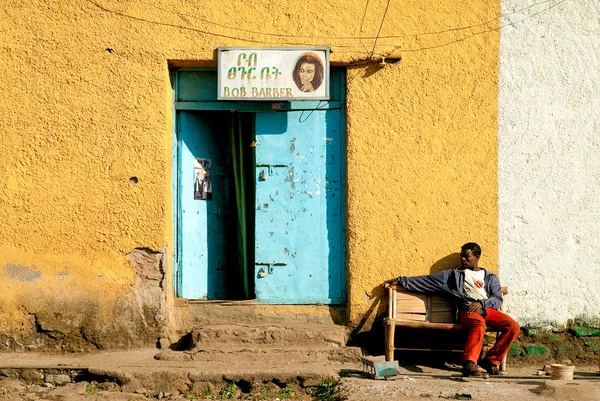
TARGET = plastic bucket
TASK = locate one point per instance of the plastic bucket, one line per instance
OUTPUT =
(561, 372)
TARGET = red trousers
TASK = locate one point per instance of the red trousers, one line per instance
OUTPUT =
(476, 325)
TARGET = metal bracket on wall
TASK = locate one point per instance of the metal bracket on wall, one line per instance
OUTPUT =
(269, 168)
(269, 265)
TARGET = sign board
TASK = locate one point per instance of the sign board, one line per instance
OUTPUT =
(273, 73)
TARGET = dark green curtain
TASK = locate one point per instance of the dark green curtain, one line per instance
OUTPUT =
(241, 137)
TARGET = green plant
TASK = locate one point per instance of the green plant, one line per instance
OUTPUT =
(227, 392)
(286, 393)
(263, 395)
(90, 388)
(329, 390)
(190, 395)
(207, 392)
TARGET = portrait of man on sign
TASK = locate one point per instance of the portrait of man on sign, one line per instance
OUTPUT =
(309, 72)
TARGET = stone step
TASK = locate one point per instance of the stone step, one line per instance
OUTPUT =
(292, 335)
(265, 356)
(190, 314)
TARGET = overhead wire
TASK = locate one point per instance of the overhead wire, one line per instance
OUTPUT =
(360, 35)
(376, 38)
(380, 26)
(201, 19)
(362, 21)
(486, 31)
(498, 17)
(201, 30)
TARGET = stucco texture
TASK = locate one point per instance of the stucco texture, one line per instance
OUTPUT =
(549, 170)
(86, 107)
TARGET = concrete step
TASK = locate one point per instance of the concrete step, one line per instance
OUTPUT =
(190, 314)
(265, 356)
(292, 335)
(140, 372)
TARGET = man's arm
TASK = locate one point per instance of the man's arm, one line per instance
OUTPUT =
(437, 282)
(494, 291)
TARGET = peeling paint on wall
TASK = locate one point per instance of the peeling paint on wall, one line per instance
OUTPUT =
(21, 273)
(82, 318)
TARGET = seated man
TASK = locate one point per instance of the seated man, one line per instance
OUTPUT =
(478, 297)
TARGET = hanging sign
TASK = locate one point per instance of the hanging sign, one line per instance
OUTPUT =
(273, 73)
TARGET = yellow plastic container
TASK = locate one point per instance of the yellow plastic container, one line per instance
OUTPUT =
(561, 372)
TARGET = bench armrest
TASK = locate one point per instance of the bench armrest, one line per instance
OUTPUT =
(392, 303)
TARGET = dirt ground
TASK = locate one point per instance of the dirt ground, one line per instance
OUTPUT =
(270, 376)
(422, 389)
(351, 388)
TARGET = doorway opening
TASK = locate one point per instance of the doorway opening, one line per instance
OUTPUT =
(259, 195)
(216, 179)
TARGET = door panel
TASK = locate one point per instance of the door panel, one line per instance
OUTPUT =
(202, 234)
(300, 232)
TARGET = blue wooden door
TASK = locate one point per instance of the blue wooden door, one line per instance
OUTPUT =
(300, 207)
(202, 238)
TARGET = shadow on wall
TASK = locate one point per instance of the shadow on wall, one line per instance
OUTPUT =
(368, 334)
(447, 262)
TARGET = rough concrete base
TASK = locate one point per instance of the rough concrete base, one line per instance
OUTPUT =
(269, 334)
(138, 371)
(267, 353)
(299, 342)
(192, 315)
(79, 323)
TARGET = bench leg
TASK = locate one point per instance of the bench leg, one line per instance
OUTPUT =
(390, 331)
(503, 364)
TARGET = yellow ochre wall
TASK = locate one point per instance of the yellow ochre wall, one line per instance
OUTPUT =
(85, 106)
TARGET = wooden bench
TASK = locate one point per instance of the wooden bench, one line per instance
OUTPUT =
(421, 311)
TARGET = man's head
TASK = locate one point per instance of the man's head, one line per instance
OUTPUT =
(469, 256)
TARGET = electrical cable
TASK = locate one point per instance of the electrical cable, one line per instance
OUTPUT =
(103, 8)
(380, 26)
(486, 31)
(362, 21)
(360, 35)
(499, 16)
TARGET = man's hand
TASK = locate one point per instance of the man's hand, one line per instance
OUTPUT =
(393, 285)
(474, 307)
(307, 87)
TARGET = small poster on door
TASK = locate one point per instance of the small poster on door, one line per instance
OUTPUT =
(202, 179)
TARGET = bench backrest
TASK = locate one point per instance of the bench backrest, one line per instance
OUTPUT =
(417, 307)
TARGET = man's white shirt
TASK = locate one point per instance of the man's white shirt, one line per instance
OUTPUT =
(474, 284)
